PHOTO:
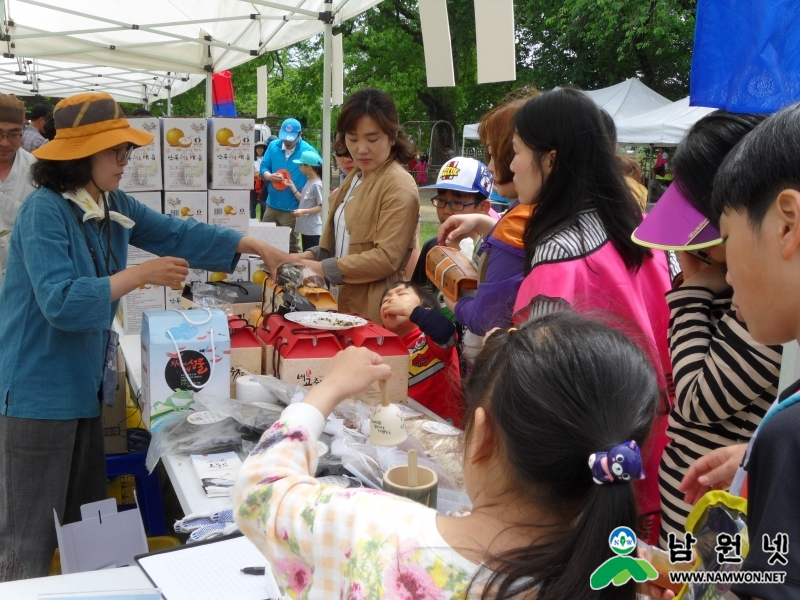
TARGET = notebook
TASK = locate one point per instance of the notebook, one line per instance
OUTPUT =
(211, 571)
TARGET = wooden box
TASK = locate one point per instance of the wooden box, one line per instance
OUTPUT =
(450, 271)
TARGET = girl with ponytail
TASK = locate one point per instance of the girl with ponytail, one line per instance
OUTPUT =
(541, 401)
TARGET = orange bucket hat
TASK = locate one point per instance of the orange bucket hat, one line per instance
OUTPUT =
(87, 124)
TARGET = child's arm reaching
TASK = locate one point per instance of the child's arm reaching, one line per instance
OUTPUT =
(439, 329)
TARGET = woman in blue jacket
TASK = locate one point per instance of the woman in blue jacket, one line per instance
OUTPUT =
(65, 275)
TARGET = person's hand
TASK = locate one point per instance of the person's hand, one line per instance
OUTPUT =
(714, 471)
(314, 265)
(351, 371)
(299, 257)
(654, 591)
(400, 305)
(166, 271)
(299, 212)
(457, 227)
(712, 278)
(272, 257)
(273, 177)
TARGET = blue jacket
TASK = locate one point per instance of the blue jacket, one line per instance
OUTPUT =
(275, 159)
(55, 311)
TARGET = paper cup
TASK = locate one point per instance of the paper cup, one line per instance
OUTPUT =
(395, 480)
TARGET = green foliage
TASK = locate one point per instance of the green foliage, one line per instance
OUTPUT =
(588, 43)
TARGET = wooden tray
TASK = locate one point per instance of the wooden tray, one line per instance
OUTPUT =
(450, 271)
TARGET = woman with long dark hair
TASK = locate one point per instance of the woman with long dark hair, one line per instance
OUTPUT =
(541, 402)
(578, 248)
(370, 232)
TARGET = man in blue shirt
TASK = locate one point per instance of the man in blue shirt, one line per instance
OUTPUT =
(279, 159)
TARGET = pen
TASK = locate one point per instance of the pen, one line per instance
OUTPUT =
(253, 570)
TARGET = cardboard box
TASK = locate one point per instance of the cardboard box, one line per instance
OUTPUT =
(151, 200)
(133, 304)
(197, 275)
(115, 431)
(102, 538)
(186, 204)
(230, 208)
(248, 299)
(143, 171)
(394, 353)
(277, 237)
(172, 300)
(201, 349)
(185, 149)
(247, 354)
(231, 154)
(267, 331)
(302, 355)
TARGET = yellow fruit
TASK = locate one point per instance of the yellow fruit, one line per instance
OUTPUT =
(229, 210)
(185, 142)
(223, 135)
(173, 136)
(259, 277)
(185, 211)
(234, 141)
(217, 276)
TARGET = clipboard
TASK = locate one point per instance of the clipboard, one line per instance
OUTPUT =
(210, 570)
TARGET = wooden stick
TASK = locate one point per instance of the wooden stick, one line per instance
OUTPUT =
(412, 468)
(384, 394)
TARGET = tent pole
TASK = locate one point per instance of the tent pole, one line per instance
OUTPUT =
(326, 107)
(169, 100)
(209, 103)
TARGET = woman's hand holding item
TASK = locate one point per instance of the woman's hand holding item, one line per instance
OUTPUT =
(714, 471)
(272, 257)
(166, 271)
(457, 227)
(351, 371)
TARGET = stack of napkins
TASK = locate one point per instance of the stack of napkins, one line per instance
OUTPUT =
(216, 472)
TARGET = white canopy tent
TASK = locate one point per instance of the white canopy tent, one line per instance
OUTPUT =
(626, 99)
(180, 41)
(664, 126)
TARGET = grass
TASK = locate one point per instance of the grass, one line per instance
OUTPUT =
(427, 230)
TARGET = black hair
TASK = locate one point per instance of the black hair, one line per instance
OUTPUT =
(611, 129)
(49, 128)
(62, 175)
(426, 297)
(702, 151)
(39, 111)
(317, 169)
(559, 389)
(585, 173)
(141, 112)
(762, 165)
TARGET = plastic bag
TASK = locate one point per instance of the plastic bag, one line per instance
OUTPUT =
(280, 391)
(257, 415)
(429, 434)
(199, 431)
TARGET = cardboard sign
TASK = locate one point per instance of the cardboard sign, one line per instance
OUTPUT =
(182, 352)
(230, 208)
(151, 200)
(143, 171)
(187, 204)
(133, 304)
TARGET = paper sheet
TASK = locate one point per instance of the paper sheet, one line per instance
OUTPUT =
(210, 572)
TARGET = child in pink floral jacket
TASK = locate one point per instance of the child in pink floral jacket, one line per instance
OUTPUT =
(537, 396)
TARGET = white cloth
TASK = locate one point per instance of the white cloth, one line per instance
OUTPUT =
(342, 235)
(13, 192)
(92, 210)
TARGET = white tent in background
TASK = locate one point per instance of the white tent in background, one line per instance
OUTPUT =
(627, 99)
(664, 126)
(623, 100)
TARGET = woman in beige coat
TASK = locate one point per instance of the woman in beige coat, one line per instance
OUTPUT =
(370, 231)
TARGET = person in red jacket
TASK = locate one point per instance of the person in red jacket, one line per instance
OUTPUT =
(434, 380)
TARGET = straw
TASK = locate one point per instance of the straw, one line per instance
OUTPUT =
(412, 468)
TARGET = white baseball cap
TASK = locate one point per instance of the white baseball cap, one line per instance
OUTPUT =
(463, 174)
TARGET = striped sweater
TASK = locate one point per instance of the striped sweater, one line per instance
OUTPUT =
(724, 384)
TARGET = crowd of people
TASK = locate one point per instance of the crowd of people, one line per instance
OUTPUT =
(593, 325)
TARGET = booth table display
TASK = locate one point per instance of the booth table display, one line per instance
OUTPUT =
(105, 580)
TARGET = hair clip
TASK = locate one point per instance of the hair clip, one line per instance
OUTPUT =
(621, 463)
(512, 329)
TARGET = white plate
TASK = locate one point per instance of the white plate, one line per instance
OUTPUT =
(325, 320)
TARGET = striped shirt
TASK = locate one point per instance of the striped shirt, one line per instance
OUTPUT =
(724, 384)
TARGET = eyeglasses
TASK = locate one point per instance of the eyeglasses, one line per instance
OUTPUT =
(455, 205)
(11, 137)
(124, 153)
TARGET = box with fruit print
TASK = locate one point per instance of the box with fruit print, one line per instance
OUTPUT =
(143, 171)
(240, 273)
(151, 200)
(185, 149)
(187, 204)
(230, 153)
(230, 208)
(133, 304)
(182, 352)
